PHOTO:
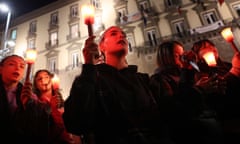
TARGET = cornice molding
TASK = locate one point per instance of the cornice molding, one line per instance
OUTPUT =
(41, 11)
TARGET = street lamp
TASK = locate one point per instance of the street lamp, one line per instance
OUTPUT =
(5, 8)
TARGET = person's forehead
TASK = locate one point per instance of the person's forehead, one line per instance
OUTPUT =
(15, 59)
(178, 49)
(114, 29)
(43, 73)
(207, 45)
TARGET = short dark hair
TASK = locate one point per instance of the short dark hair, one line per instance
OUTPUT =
(165, 53)
(10, 56)
(199, 44)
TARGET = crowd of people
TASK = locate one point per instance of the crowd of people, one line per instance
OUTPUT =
(186, 100)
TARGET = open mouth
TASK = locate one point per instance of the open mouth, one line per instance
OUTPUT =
(121, 42)
(16, 74)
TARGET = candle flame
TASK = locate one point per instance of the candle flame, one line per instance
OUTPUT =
(227, 34)
(210, 59)
(88, 14)
(31, 55)
(55, 82)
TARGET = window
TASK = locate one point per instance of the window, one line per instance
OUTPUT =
(97, 22)
(54, 18)
(74, 11)
(52, 64)
(179, 27)
(74, 30)
(75, 59)
(96, 3)
(122, 16)
(237, 9)
(31, 43)
(144, 6)
(53, 39)
(210, 17)
(152, 38)
(33, 27)
(173, 3)
(13, 34)
(131, 42)
(169, 3)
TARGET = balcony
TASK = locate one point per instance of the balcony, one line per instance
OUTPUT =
(50, 45)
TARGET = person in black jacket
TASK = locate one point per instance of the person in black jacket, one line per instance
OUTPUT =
(111, 103)
(229, 113)
(173, 83)
(24, 119)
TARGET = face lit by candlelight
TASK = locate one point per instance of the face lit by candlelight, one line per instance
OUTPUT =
(114, 41)
(178, 52)
(42, 81)
(12, 69)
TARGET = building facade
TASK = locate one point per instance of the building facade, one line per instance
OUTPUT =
(57, 31)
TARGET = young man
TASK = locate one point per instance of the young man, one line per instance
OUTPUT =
(111, 103)
(23, 118)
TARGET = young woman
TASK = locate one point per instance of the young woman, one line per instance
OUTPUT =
(174, 83)
(24, 119)
(45, 91)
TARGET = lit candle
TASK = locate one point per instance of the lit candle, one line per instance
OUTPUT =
(88, 16)
(210, 59)
(31, 55)
(228, 36)
(55, 82)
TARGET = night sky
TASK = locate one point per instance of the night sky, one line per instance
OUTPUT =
(20, 7)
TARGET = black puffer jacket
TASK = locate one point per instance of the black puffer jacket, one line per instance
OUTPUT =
(28, 125)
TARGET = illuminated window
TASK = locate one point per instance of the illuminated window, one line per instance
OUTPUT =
(53, 38)
(74, 30)
(75, 59)
(31, 43)
(52, 64)
(13, 34)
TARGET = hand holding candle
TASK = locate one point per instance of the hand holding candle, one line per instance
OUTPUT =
(88, 16)
(31, 55)
(228, 36)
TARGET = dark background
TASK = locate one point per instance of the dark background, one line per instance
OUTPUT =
(20, 7)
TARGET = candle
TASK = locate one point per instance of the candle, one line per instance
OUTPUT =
(55, 82)
(31, 55)
(88, 16)
(227, 34)
(210, 59)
